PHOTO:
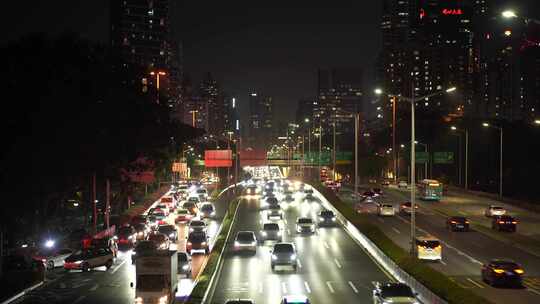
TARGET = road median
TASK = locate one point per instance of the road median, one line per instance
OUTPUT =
(414, 270)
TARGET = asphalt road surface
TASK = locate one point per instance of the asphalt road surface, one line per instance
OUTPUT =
(332, 267)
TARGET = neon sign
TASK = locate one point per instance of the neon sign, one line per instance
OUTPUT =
(454, 11)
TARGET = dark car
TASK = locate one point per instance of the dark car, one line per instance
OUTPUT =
(197, 241)
(170, 231)
(184, 264)
(142, 248)
(142, 231)
(272, 201)
(457, 223)
(504, 223)
(208, 210)
(502, 272)
(271, 231)
(327, 218)
(127, 236)
(87, 259)
(369, 194)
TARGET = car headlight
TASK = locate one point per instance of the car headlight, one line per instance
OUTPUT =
(185, 267)
(253, 243)
(274, 257)
(236, 244)
(138, 300)
(191, 229)
(293, 257)
(171, 235)
(203, 243)
(78, 262)
(163, 299)
(321, 218)
(333, 219)
(263, 233)
(279, 233)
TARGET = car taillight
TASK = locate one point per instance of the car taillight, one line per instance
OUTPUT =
(501, 222)
(519, 271)
(498, 270)
(453, 222)
(514, 222)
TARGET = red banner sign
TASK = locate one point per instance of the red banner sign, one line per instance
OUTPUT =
(217, 158)
(452, 11)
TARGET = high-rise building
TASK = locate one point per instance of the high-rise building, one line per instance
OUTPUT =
(261, 119)
(339, 93)
(211, 95)
(141, 43)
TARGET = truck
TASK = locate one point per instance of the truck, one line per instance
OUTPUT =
(156, 275)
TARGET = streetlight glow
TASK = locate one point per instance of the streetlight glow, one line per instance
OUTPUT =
(485, 124)
(378, 91)
(453, 128)
(537, 121)
(508, 14)
(450, 90)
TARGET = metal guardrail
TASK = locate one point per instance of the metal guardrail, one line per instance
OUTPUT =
(424, 294)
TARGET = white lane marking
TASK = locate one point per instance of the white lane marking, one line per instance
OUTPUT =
(94, 288)
(307, 287)
(79, 299)
(443, 262)
(380, 220)
(298, 263)
(396, 230)
(288, 231)
(534, 291)
(330, 286)
(118, 267)
(260, 287)
(285, 221)
(337, 263)
(283, 287)
(326, 245)
(475, 283)
(353, 287)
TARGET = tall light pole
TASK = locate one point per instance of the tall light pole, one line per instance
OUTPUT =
(412, 100)
(193, 113)
(334, 152)
(157, 74)
(487, 125)
(230, 133)
(307, 121)
(466, 131)
(393, 100)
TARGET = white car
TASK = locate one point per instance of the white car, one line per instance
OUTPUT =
(393, 293)
(53, 257)
(493, 210)
(402, 184)
(386, 210)
(305, 225)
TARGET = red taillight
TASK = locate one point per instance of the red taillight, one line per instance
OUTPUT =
(514, 222)
(501, 222)
(453, 222)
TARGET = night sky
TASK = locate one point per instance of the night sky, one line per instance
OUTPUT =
(275, 50)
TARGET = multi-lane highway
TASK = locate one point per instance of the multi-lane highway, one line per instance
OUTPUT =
(113, 285)
(332, 267)
(463, 252)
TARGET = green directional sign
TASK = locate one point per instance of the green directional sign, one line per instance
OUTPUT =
(344, 156)
(443, 157)
(421, 157)
(313, 158)
(199, 162)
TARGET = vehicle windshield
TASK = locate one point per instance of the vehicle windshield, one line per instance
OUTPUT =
(304, 221)
(157, 237)
(189, 205)
(193, 199)
(327, 213)
(505, 218)
(201, 191)
(458, 219)
(308, 191)
(387, 206)
(197, 237)
(166, 229)
(271, 226)
(428, 243)
(244, 236)
(182, 257)
(398, 290)
(182, 212)
(283, 248)
(197, 223)
(497, 208)
(507, 265)
(151, 282)
(207, 207)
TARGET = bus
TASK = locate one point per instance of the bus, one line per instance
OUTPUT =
(430, 189)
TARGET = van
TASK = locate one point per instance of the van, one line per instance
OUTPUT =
(428, 248)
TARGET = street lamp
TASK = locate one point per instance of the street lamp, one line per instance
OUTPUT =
(413, 101)
(537, 121)
(487, 125)
(393, 100)
(466, 131)
(509, 14)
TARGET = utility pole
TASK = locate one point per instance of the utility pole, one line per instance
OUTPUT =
(413, 174)
(320, 146)
(356, 131)
(334, 153)
(394, 99)
(94, 226)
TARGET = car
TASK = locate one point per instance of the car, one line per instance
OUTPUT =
(493, 210)
(386, 210)
(252, 189)
(406, 208)
(283, 254)
(160, 240)
(169, 231)
(182, 216)
(194, 199)
(142, 248)
(165, 208)
(428, 248)
(402, 184)
(141, 231)
(184, 264)
(270, 232)
(197, 226)
(239, 301)
(127, 236)
(105, 242)
(457, 223)
(369, 193)
(504, 223)
(385, 183)
(52, 257)
(308, 194)
(161, 218)
(152, 221)
(191, 207)
(207, 210)
(305, 225)
(502, 272)
(327, 218)
(203, 194)
(274, 212)
(88, 259)
(393, 293)
(271, 201)
(295, 299)
(196, 242)
(245, 241)
(288, 195)
(377, 191)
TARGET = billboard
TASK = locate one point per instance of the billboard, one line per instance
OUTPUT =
(218, 158)
(253, 157)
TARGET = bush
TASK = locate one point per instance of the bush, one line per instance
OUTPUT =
(434, 280)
